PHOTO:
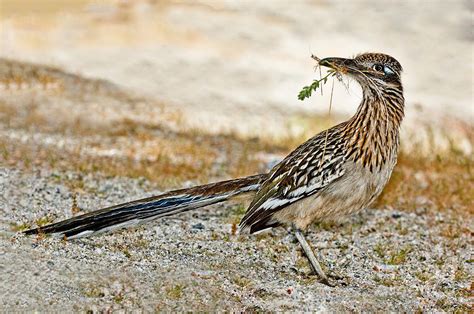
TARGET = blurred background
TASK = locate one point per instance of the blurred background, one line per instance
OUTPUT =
(237, 66)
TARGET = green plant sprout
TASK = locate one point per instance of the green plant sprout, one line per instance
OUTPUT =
(308, 90)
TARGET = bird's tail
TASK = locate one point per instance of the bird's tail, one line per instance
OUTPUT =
(136, 212)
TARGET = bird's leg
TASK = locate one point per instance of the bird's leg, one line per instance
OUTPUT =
(310, 255)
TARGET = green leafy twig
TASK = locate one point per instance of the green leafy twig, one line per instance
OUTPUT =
(308, 90)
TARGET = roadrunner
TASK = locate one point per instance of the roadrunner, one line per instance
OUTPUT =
(337, 172)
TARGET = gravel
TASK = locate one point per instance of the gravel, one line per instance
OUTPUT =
(388, 259)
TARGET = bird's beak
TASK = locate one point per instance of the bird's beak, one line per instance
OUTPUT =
(341, 65)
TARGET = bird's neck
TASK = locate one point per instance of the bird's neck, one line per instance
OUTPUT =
(373, 132)
(382, 108)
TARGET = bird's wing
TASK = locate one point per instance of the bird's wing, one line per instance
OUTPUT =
(306, 171)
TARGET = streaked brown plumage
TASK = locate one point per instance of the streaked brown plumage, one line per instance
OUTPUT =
(337, 172)
(322, 173)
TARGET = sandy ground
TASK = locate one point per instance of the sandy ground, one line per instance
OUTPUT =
(390, 260)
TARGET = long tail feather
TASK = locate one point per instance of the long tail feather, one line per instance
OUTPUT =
(139, 211)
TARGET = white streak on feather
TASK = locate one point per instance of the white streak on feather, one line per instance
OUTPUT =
(79, 235)
(250, 187)
(274, 203)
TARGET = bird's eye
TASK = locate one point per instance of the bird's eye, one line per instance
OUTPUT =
(377, 67)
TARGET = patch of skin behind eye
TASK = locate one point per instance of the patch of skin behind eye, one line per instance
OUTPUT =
(387, 70)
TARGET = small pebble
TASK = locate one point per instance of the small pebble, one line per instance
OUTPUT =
(198, 226)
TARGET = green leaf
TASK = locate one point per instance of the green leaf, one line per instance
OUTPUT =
(306, 91)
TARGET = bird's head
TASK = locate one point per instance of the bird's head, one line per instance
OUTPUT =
(375, 72)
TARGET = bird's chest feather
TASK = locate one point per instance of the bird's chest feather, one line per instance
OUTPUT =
(355, 190)
(350, 193)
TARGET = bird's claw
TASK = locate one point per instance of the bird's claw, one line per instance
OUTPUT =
(328, 282)
(338, 280)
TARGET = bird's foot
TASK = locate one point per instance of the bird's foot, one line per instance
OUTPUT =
(337, 279)
(328, 282)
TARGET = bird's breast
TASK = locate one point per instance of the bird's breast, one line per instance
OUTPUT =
(354, 191)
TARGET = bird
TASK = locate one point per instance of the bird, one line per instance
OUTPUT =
(335, 173)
